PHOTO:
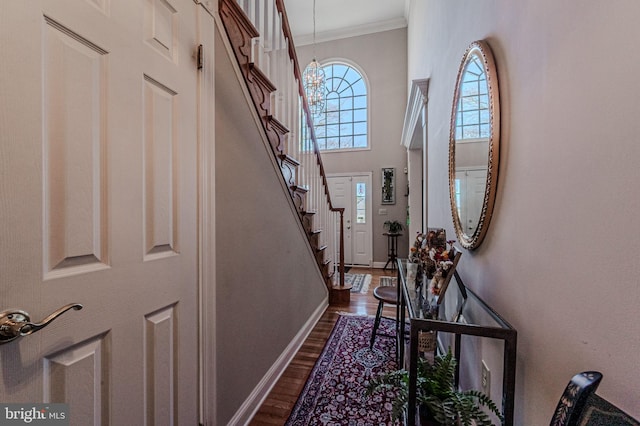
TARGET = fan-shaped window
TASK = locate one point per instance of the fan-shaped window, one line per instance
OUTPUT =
(343, 122)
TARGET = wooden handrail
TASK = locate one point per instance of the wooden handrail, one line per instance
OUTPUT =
(305, 105)
(256, 56)
(307, 112)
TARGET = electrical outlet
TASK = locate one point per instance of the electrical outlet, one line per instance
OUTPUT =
(485, 379)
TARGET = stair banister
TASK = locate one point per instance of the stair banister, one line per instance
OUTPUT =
(272, 63)
(309, 122)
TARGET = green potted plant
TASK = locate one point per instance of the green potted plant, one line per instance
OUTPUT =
(440, 403)
(393, 226)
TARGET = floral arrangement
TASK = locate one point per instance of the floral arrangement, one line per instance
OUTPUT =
(443, 260)
(430, 250)
(435, 255)
(417, 252)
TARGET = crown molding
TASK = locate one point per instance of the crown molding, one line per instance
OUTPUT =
(354, 31)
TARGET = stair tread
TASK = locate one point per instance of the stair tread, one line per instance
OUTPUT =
(277, 124)
(261, 77)
(289, 159)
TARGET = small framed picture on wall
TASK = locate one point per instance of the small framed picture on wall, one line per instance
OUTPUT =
(388, 185)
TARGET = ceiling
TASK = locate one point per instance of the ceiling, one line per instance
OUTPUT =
(343, 18)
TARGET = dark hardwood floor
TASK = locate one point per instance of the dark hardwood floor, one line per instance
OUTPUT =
(276, 408)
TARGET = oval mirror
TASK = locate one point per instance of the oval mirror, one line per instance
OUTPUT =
(474, 145)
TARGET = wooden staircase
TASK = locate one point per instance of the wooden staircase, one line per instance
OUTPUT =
(242, 35)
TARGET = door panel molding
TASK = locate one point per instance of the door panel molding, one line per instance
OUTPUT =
(74, 140)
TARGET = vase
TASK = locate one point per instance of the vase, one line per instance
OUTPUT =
(412, 272)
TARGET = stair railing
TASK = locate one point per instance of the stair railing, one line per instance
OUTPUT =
(273, 52)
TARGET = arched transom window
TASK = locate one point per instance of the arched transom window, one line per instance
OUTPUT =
(472, 115)
(343, 122)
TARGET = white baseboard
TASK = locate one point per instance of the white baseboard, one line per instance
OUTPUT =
(251, 405)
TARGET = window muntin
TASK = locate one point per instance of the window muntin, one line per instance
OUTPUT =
(343, 123)
(472, 115)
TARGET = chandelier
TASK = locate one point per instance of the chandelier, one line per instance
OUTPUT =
(313, 78)
(314, 87)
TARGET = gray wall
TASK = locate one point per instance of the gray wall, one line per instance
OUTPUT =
(560, 259)
(267, 282)
(384, 62)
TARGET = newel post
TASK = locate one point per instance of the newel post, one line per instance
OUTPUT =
(341, 266)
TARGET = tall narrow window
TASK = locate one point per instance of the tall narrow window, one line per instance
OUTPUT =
(361, 202)
(343, 122)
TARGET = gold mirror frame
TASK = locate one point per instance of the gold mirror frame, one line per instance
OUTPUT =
(479, 49)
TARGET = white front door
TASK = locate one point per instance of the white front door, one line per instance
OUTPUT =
(470, 190)
(353, 193)
(98, 200)
(340, 191)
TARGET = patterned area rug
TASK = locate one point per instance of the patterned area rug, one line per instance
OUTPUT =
(388, 281)
(335, 390)
(360, 282)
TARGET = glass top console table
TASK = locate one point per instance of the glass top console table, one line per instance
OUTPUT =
(461, 313)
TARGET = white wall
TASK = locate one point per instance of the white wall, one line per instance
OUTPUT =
(560, 259)
(384, 61)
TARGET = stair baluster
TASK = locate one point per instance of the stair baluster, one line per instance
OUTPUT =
(261, 39)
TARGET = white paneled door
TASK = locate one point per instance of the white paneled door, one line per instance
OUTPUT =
(470, 189)
(98, 202)
(353, 192)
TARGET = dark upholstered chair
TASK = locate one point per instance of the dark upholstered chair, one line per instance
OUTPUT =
(574, 398)
(580, 406)
(600, 412)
